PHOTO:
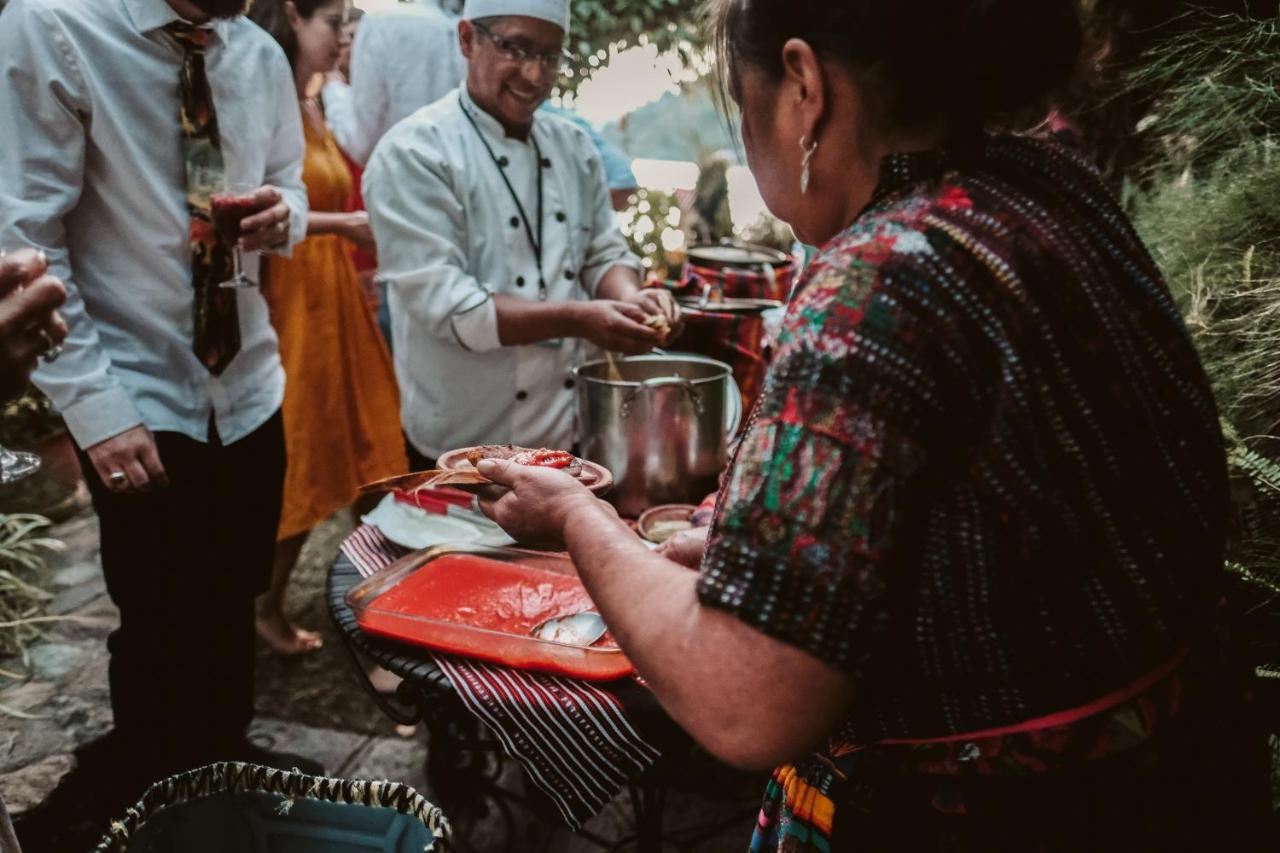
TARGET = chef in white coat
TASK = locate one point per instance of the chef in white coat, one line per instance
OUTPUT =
(502, 254)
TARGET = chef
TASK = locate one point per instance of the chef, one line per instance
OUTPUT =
(502, 254)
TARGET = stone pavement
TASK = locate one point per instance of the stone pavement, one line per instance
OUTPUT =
(64, 704)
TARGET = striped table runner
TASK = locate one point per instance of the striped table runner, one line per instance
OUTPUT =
(572, 738)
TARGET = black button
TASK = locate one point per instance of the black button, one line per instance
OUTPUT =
(568, 384)
(546, 164)
(504, 162)
(570, 274)
(522, 395)
(515, 222)
(560, 217)
(520, 281)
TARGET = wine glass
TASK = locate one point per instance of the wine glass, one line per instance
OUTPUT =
(228, 208)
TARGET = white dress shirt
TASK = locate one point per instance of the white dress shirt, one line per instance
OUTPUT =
(403, 60)
(91, 171)
(450, 237)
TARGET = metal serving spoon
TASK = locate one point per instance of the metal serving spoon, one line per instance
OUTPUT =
(577, 629)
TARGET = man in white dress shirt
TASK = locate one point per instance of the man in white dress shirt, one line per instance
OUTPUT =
(402, 60)
(117, 117)
(497, 238)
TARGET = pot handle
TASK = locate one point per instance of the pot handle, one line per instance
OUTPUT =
(732, 407)
(661, 382)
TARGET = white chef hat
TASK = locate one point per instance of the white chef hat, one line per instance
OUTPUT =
(555, 11)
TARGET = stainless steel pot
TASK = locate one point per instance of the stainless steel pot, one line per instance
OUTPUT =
(662, 428)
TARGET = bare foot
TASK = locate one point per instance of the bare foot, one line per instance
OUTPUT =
(285, 638)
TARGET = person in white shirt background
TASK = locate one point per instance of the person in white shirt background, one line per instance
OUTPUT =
(496, 235)
(402, 59)
(183, 452)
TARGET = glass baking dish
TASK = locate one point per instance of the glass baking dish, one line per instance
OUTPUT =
(481, 602)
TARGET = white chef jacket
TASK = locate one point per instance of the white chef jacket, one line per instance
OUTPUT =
(91, 171)
(403, 60)
(450, 237)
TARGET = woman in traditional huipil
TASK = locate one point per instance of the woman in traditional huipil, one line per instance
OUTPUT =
(341, 406)
(961, 585)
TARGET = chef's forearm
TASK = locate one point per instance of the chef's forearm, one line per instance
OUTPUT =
(523, 321)
(620, 282)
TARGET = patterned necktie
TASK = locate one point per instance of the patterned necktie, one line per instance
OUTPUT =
(217, 320)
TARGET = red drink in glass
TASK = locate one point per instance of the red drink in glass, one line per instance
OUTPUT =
(229, 210)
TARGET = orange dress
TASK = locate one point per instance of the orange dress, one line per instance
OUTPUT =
(341, 403)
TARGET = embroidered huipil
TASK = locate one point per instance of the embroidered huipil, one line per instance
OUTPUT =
(986, 477)
(450, 236)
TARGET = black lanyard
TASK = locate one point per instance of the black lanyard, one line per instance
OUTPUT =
(535, 243)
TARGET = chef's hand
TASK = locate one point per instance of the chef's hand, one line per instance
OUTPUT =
(535, 503)
(686, 547)
(659, 301)
(29, 320)
(269, 227)
(615, 326)
(129, 463)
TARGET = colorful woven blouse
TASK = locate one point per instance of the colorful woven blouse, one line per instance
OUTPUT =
(986, 477)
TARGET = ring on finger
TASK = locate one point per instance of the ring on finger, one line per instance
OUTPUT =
(51, 350)
(118, 478)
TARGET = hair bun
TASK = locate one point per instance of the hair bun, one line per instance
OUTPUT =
(1019, 51)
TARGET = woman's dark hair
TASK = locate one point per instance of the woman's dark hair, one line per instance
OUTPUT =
(270, 15)
(968, 61)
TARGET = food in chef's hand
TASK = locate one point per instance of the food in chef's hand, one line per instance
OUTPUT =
(659, 323)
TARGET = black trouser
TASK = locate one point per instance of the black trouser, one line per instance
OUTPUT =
(418, 461)
(184, 565)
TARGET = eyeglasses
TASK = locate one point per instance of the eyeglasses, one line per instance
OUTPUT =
(522, 52)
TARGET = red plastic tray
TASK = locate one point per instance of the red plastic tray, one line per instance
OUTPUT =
(482, 602)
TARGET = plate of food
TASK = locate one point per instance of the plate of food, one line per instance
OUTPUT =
(456, 469)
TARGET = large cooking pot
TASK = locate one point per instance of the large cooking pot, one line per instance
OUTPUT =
(662, 426)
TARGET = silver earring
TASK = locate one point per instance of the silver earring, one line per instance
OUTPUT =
(809, 151)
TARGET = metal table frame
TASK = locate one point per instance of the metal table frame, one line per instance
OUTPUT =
(465, 762)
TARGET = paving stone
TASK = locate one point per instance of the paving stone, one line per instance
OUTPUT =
(392, 758)
(330, 747)
(54, 660)
(26, 788)
(74, 598)
(28, 697)
(77, 574)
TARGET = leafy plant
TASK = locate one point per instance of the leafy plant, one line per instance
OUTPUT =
(651, 225)
(602, 26)
(23, 546)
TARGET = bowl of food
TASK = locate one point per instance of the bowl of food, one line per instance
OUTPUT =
(662, 522)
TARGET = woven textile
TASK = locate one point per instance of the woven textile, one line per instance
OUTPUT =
(572, 738)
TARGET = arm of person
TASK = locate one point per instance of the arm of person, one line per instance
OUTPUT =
(362, 110)
(751, 700)
(44, 110)
(353, 226)
(340, 111)
(420, 225)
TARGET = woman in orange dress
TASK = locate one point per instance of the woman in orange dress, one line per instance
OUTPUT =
(341, 404)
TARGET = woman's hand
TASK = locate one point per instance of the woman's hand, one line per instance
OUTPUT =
(357, 230)
(535, 504)
(686, 547)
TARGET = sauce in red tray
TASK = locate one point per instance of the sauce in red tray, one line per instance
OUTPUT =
(458, 593)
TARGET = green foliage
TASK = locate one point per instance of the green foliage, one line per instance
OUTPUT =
(1211, 217)
(23, 546)
(601, 25)
(651, 224)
